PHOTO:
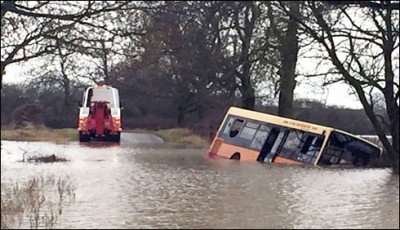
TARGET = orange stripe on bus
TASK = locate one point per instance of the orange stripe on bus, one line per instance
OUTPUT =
(281, 160)
(228, 150)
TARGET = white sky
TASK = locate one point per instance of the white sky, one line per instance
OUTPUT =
(337, 94)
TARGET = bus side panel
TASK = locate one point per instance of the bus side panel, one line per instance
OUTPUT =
(227, 150)
(281, 160)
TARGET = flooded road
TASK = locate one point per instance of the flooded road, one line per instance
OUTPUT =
(144, 183)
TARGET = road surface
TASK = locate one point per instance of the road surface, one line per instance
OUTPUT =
(134, 138)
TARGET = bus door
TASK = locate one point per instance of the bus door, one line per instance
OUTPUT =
(271, 145)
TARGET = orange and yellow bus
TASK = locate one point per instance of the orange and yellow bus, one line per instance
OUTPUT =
(254, 136)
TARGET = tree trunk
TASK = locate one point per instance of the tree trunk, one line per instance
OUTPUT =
(289, 50)
(104, 49)
(392, 106)
(3, 67)
(248, 95)
(393, 114)
(251, 14)
(180, 118)
(248, 98)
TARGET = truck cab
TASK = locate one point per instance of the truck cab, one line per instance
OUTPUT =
(100, 114)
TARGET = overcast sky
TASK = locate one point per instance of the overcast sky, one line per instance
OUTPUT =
(337, 94)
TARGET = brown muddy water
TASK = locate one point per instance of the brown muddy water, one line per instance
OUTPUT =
(153, 185)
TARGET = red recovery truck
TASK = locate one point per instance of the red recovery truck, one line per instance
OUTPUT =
(100, 114)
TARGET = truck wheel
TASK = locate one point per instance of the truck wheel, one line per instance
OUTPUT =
(116, 138)
(83, 137)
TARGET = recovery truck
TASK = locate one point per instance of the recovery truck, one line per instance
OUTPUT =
(100, 114)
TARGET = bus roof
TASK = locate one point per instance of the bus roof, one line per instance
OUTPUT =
(292, 123)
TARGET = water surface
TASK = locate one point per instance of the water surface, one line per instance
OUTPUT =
(153, 185)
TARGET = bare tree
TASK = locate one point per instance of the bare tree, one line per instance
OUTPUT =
(184, 41)
(362, 45)
(244, 17)
(29, 29)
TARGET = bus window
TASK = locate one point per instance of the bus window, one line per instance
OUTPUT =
(260, 137)
(252, 124)
(291, 144)
(307, 144)
(228, 125)
(249, 130)
(310, 149)
(278, 142)
(236, 127)
(265, 153)
(301, 146)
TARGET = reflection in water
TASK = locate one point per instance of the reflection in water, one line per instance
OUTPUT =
(158, 186)
(99, 144)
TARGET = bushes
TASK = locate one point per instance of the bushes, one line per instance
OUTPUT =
(27, 113)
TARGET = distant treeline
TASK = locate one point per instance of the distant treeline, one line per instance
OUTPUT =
(28, 103)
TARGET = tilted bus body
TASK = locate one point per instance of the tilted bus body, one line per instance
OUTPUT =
(100, 114)
(254, 136)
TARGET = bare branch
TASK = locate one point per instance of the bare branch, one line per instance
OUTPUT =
(369, 4)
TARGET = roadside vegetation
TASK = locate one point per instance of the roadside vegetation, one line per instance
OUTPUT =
(175, 136)
(38, 133)
(179, 136)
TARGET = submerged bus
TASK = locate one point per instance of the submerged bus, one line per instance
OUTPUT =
(254, 136)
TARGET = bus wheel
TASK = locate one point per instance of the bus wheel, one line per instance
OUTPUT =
(235, 156)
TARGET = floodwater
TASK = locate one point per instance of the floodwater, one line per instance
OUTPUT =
(142, 183)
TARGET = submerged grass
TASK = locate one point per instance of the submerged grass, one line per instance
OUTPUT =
(37, 203)
(180, 136)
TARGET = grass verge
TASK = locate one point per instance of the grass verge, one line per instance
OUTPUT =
(39, 134)
(177, 136)
(181, 136)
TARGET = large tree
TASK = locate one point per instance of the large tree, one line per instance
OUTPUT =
(32, 29)
(361, 42)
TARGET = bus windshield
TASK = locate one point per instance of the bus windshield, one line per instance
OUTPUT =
(345, 149)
